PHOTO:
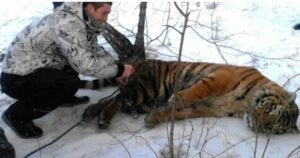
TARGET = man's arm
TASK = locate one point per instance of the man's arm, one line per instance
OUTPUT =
(84, 56)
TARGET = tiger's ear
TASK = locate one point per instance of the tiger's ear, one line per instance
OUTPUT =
(290, 98)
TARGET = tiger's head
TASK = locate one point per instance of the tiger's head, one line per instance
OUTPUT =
(129, 97)
(136, 94)
(273, 114)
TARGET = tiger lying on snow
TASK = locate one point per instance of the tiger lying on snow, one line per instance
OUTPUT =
(201, 90)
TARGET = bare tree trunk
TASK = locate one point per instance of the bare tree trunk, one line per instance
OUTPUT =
(139, 42)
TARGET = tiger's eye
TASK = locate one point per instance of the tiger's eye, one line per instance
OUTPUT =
(271, 108)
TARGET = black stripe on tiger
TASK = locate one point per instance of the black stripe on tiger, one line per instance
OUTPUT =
(200, 74)
(265, 96)
(189, 74)
(244, 77)
(248, 88)
(167, 84)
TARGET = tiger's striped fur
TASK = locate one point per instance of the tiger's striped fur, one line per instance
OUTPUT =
(203, 90)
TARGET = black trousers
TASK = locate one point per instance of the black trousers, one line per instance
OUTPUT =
(40, 92)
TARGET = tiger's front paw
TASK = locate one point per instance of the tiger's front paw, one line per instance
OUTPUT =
(90, 112)
(102, 124)
(150, 120)
(103, 121)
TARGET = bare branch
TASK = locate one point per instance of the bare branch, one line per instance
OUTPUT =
(234, 145)
(212, 42)
(220, 53)
(190, 139)
(148, 144)
(178, 8)
(206, 139)
(174, 29)
(121, 144)
(171, 140)
(289, 79)
(168, 18)
(201, 25)
(255, 145)
(252, 54)
(297, 89)
(293, 151)
(201, 133)
(186, 17)
(158, 36)
(266, 146)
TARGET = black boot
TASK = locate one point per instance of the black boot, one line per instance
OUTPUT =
(72, 101)
(6, 149)
(24, 129)
(297, 27)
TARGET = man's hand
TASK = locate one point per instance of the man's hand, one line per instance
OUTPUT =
(128, 71)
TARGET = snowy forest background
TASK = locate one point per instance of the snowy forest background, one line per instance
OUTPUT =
(252, 33)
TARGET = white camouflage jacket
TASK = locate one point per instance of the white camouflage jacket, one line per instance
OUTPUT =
(64, 37)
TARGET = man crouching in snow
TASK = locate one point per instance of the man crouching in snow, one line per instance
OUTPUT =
(41, 66)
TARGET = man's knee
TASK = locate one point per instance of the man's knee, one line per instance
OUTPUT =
(57, 79)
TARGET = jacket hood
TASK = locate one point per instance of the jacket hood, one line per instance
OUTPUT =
(74, 7)
(77, 9)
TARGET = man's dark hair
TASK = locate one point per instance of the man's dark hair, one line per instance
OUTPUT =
(96, 5)
(57, 4)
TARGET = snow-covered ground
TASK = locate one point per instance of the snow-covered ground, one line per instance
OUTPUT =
(261, 31)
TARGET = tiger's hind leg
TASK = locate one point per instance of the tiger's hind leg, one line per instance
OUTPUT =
(176, 110)
(168, 113)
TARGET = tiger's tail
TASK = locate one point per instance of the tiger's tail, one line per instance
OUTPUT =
(98, 83)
